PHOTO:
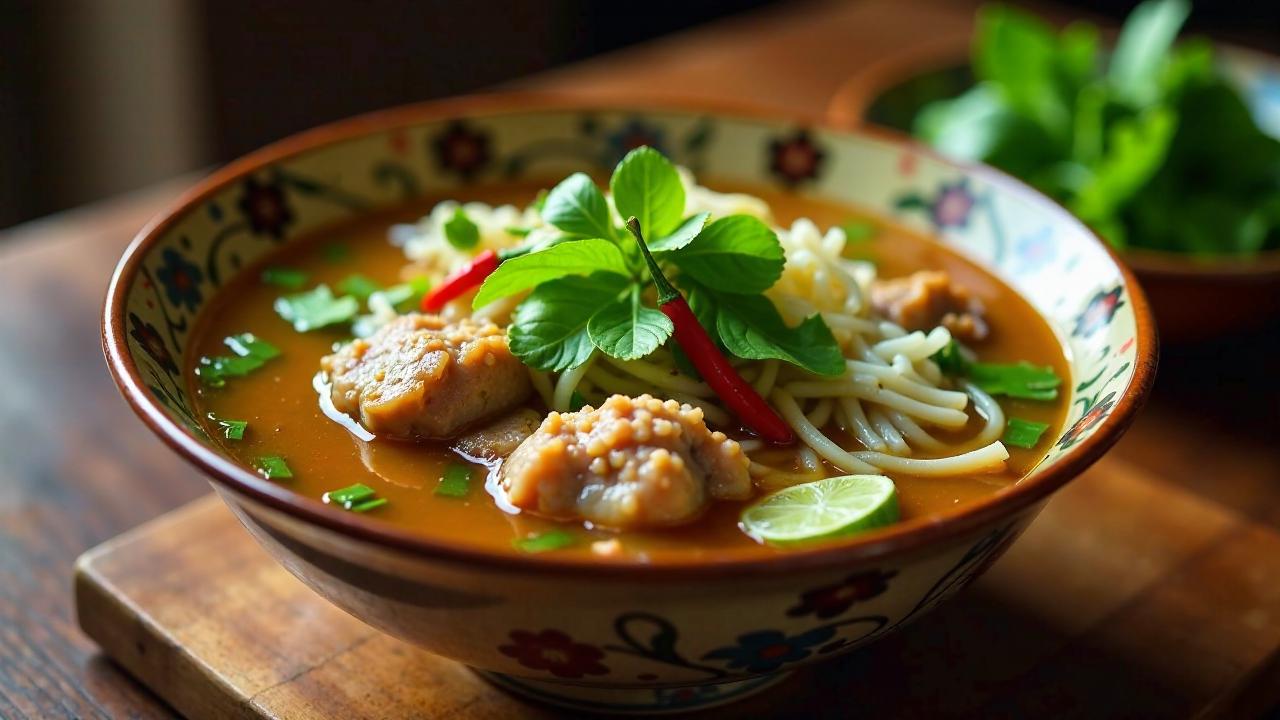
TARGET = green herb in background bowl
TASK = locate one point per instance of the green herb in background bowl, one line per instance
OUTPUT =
(1151, 140)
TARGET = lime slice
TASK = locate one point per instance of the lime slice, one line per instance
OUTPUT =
(823, 509)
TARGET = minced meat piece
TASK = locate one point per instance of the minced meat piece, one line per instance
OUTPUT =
(926, 299)
(632, 463)
(419, 376)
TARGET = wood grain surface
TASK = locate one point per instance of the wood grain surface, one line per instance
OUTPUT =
(1126, 598)
(76, 468)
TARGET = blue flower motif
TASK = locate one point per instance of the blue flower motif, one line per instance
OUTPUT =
(767, 650)
(181, 280)
(1035, 250)
(633, 134)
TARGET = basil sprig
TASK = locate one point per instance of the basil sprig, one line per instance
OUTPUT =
(588, 293)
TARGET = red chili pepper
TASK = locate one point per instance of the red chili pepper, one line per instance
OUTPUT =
(737, 394)
(461, 280)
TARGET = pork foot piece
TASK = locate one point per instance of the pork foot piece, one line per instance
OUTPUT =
(419, 376)
(925, 299)
(632, 463)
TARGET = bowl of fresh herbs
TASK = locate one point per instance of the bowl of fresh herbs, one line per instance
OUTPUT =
(1166, 146)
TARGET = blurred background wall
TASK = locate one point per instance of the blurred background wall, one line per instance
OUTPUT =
(99, 97)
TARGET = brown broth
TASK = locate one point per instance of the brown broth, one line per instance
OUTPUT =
(284, 419)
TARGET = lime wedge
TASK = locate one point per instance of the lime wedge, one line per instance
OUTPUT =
(823, 509)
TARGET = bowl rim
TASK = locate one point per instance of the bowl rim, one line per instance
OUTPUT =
(848, 106)
(899, 539)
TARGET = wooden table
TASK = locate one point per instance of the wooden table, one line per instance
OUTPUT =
(76, 468)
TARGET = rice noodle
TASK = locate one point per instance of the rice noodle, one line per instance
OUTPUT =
(664, 378)
(814, 438)
(989, 458)
(885, 429)
(568, 382)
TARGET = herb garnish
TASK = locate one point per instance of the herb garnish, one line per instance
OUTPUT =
(1023, 433)
(543, 542)
(287, 278)
(1016, 380)
(1154, 148)
(358, 286)
(460, 231)
(356, 498)
(251, 353)
(590, 292)
(231, 429)
(273, 467)
(316, 308)
(456, 481)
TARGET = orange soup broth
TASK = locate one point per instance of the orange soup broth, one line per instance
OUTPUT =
(284, 418)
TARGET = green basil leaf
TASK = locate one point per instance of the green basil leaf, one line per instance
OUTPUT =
(627, 329)
(577, 207)
(549, 328)
(1143, 47)
(682, 235)
(751, 328)
(574, 257)
(460, 231)
(316, 308)
(646, 185)
(1018, 52)
(1136, 149)
(735, 254)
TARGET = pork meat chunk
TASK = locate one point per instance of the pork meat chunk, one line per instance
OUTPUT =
(926, 299)
(632, 463)
(419, 376)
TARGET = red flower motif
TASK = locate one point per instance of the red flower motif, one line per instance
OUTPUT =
(265, 207)
(149, 338)
(795, 159)
(462, 150)
(555, 652)
(829, 601)
(1093, 416)
(1098, 313)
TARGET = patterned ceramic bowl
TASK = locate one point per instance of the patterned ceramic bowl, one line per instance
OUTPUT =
(610, 636)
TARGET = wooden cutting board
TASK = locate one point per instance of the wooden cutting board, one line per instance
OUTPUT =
(1126, 598)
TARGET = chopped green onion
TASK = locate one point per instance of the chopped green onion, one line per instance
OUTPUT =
(336, 252)
(231, 429)
(316, 308)
(356, 498)
(358, 286)
(518, 231)
(856, 231)
(1016, 380)
(251, 353)
(460, 231)
(287, 278)
(456, 481)
(273, 467)
(543, 542)
(1023, 433)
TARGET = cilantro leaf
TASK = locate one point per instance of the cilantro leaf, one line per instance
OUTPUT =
(646, 185)
(1023, 433)
(751, 328)
(316, 308)
(406, 295)
(574, 257)
(682, 235)
(460, 231)
(287, 278)
(627, 329)
(231, 429)
(358, 286)
(735, 254)
(1016, 380)
(577, 207)
(273, 467)
(251, 353)
(549, 329)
